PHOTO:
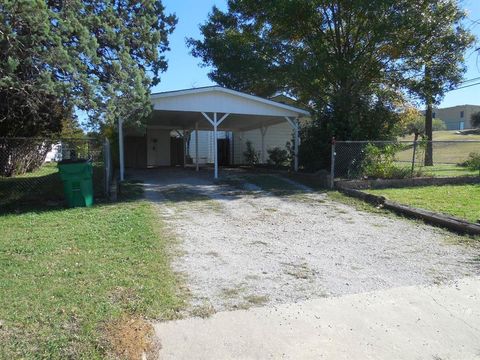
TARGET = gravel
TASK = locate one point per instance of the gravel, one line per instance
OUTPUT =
(243, 248)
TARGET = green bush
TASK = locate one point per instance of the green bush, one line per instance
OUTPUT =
(379, 162)
(473, 162)
(250, 154)
(278, 157)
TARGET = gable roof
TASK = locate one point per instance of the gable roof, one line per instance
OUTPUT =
(157, 97)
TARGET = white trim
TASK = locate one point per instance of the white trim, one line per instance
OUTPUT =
(196, 146)
(231, 92)
(215, 145)
(208, 118)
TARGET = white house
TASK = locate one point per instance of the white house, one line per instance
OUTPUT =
(210, 124)
(456, 117)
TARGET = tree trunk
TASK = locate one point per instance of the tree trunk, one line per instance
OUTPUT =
(429, 135)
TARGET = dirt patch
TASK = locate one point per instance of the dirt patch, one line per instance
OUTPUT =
(132, 339)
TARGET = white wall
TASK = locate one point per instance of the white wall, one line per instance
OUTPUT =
(276, 136)
(451, 116)
(205, 145)
(158, 147)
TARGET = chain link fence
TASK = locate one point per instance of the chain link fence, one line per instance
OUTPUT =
(29, 172)
(401, 159)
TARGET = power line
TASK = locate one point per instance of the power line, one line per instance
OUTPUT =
(469, 80)
(466, 86)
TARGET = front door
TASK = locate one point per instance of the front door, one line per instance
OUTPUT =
(158, 147)
(176, 151)
(223, 147)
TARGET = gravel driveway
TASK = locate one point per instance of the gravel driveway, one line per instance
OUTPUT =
(243, 248)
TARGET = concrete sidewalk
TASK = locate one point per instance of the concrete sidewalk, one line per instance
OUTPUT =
(441, 322)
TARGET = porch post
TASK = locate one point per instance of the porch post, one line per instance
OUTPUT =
(297, 140)
(215, 124)
(263, 131)
(196, 145)
(121, 149)
(184, 148)
(215, 145)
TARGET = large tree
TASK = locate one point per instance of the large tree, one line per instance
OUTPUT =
(434, 62)
(344, 59)
(99, 56)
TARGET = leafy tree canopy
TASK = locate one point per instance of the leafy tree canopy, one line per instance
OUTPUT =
(99, 56)
(413, 122)
(351, 62)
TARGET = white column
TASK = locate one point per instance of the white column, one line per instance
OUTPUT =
(263, 131)
(215, 145)
(184, 142)
(215, 124)
(196, 146)
(297, 140)
(121, 150)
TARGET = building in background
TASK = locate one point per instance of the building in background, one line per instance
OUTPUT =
(456, 117)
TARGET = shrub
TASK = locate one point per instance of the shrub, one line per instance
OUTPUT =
(278, 157)
(250, 154)
(475, 119)
(473, 162)
(379, 162)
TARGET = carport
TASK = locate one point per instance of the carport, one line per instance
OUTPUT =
(216, 109)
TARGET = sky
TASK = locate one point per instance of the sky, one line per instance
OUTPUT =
(184, 71)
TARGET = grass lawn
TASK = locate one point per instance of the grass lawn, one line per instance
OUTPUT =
(445, 154)
(446, 135)
(70, 277)
(440, 170)
(462, 201)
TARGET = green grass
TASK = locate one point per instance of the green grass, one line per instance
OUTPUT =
(440, 170)
(357, 203)
(462, 201)
(66, 274)
(446, 135)
(445, 153)
(447, 170)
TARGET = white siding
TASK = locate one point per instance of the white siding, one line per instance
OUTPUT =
(205, 145)
(276, 136)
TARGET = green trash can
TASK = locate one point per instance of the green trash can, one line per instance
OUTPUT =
(77, 182)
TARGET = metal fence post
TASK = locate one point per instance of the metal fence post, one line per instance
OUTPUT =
(332, 165)
(414, 152)
(107, 165)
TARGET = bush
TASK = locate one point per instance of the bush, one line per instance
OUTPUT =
(379, 162)
(475, 119)
(278, 157)
(473, 162)
(416, 124)
(251, 155)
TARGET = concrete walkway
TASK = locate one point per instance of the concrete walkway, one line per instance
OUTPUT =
(414, 322)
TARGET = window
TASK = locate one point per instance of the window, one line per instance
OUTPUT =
(433, 115)
(461, 114)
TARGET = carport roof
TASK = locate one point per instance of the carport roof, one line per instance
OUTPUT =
(182, 109)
